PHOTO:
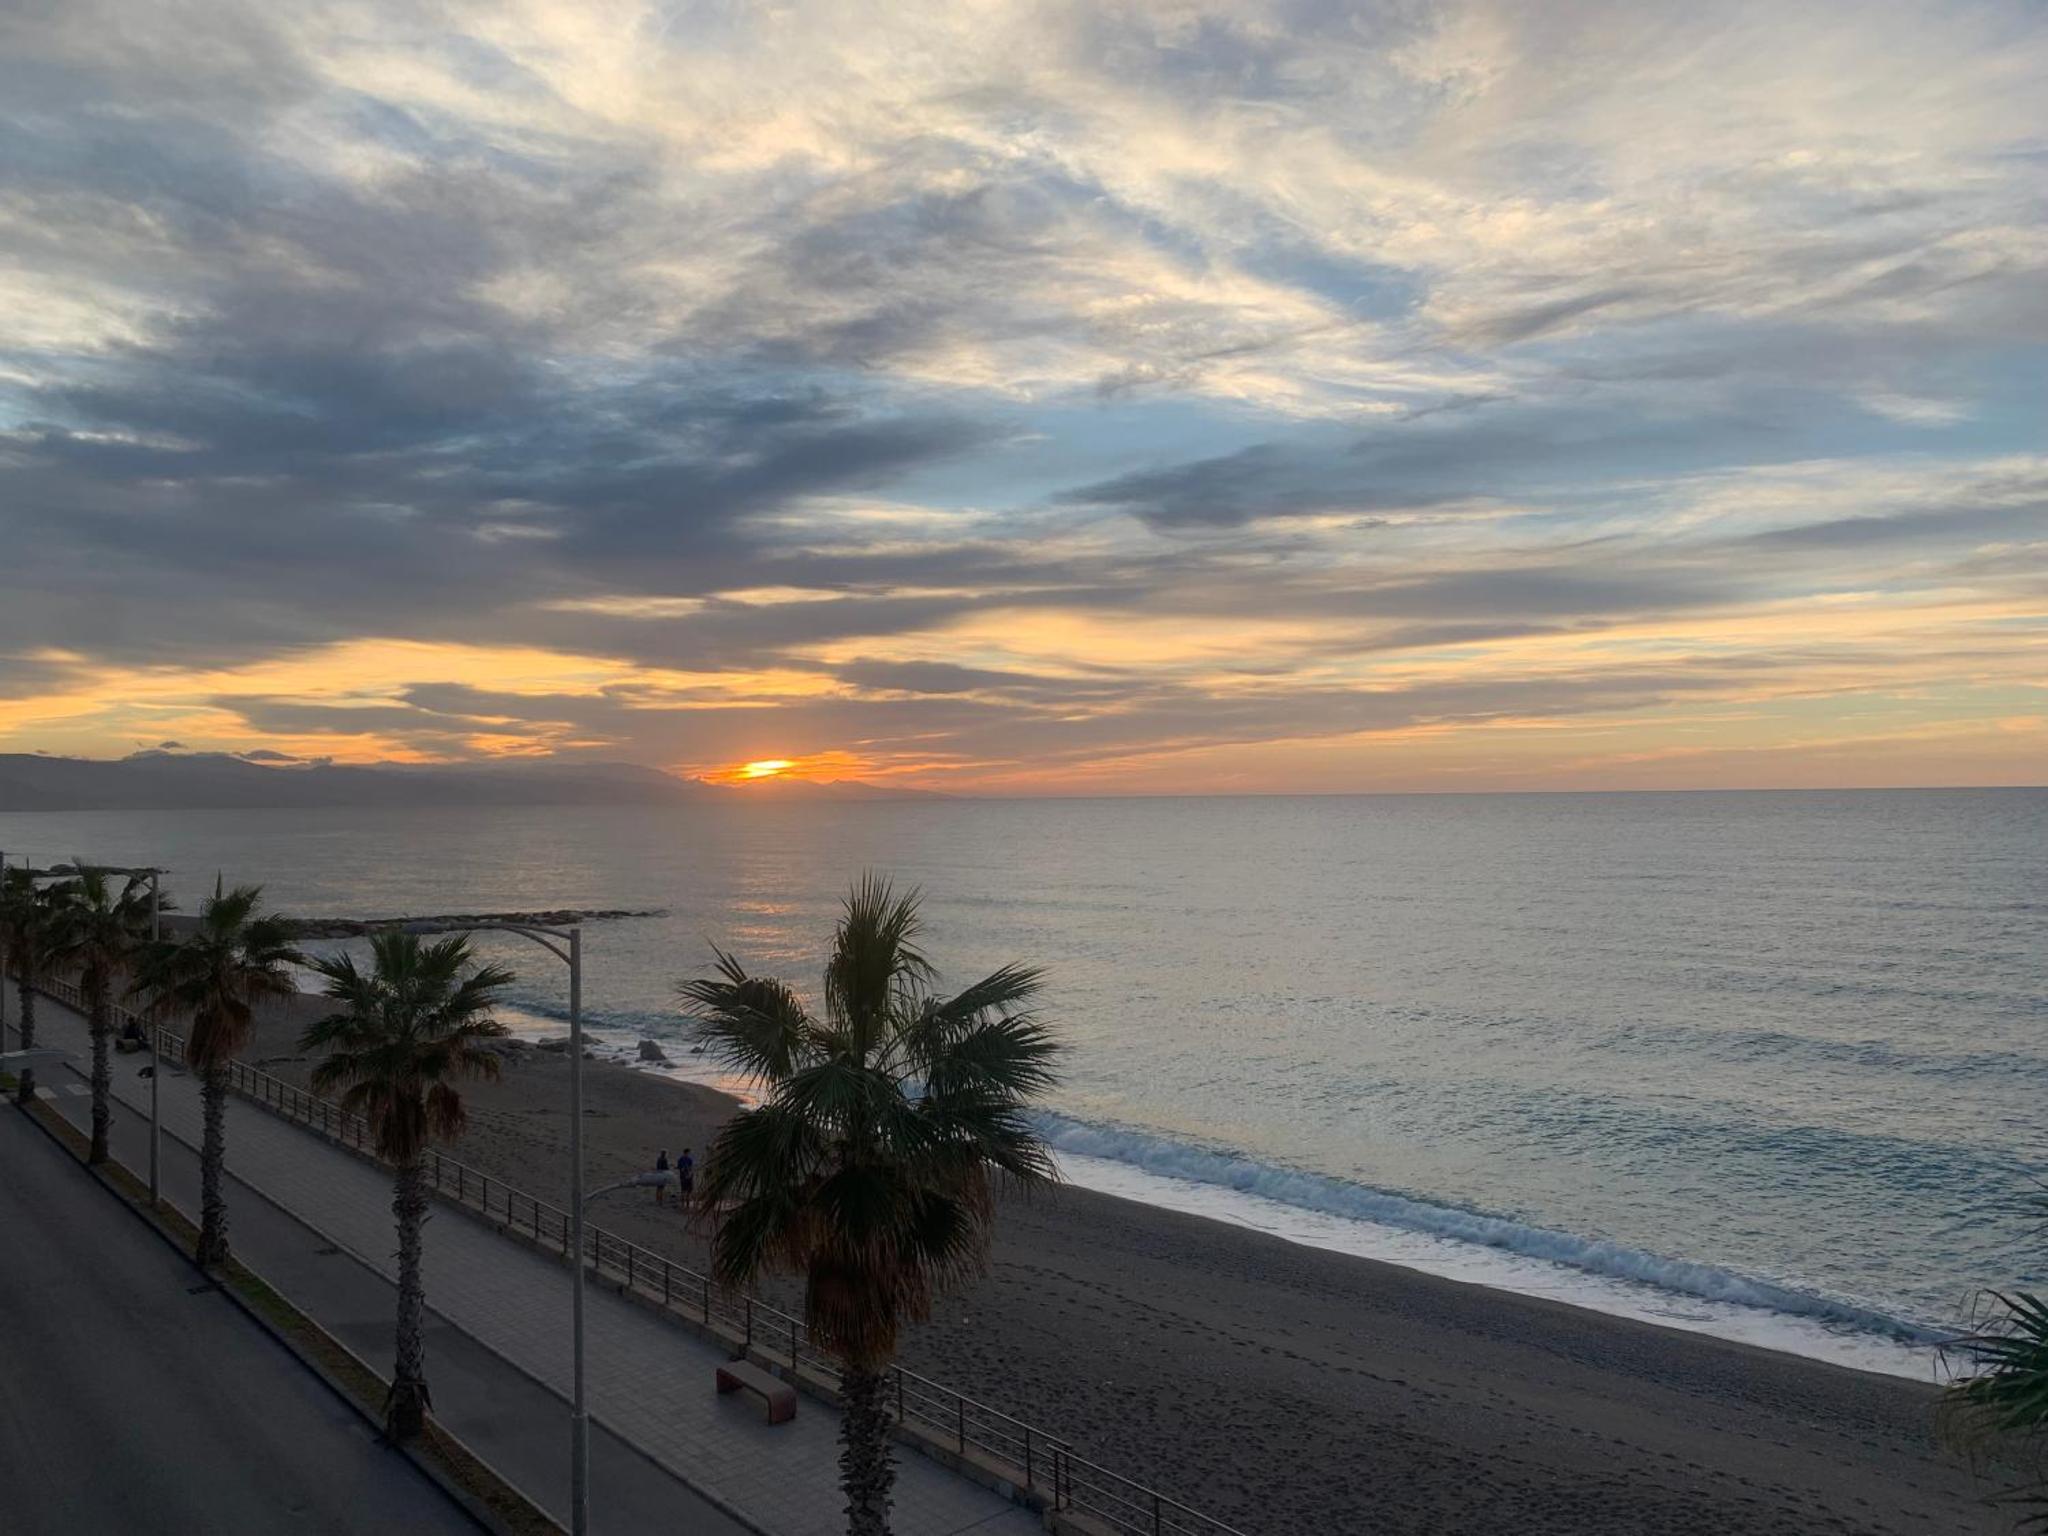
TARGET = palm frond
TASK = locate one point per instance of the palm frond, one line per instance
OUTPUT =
(215, 975)
(2008, 1394)
(2001, 1411)
(875, 963)
(1014, 1057)
(753, 1025)
(872, 1163)
(403, 1032)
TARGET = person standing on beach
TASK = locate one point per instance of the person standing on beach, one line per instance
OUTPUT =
(661, 1167)
(686, 1179)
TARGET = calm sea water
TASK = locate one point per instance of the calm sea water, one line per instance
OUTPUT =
(1771, 1065)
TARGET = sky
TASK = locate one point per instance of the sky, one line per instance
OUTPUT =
(1012, 398)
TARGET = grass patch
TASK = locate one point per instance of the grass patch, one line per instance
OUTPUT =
(511, 1508)
(514, 1512)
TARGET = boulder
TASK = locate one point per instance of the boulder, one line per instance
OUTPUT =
(652, 1051)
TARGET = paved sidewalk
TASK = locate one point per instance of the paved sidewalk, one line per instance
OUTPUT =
(649, 1382)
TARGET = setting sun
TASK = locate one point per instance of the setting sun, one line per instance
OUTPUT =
(767, 768)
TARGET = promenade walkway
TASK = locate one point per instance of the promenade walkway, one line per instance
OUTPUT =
(649, 1383)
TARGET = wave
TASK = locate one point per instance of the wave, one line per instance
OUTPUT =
(615, 1036)
(1189, 1163)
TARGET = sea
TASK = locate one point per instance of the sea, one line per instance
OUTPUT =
(1772, 1066)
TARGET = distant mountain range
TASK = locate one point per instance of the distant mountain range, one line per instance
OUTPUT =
(205, 780)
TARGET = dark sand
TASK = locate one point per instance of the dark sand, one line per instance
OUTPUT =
(1286, 1389)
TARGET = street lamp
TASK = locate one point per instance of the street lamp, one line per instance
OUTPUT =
(566, 945)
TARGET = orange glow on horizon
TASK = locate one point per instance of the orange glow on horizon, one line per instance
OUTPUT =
(812, 768)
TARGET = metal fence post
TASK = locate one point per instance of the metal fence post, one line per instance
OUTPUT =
(792, 1346)
(960, 1404)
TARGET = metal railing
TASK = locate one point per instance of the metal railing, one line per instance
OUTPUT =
(1034, 1459)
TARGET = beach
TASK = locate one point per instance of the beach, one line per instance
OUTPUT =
(1285, 1388)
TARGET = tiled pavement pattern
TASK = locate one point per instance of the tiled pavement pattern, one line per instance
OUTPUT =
(648, 1382)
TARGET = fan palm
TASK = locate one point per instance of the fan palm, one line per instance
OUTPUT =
(2003, 1408)
(98, 932)
(214, 977)
(406, 1031)
(871, 1164)
(27, 933)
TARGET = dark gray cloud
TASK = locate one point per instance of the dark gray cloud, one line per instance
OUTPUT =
(941, 677)
(1948, 526)
(1258, 482)
(1483, 452)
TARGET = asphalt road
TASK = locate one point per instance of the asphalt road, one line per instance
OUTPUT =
(129, 1401)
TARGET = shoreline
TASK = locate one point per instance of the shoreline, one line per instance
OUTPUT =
(1283, 1386)
(1813, 1327)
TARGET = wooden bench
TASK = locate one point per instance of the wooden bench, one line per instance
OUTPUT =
(738, 1375)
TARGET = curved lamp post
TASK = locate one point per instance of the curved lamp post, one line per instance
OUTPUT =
(566, 945)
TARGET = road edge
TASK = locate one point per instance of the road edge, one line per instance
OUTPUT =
(526, 1518)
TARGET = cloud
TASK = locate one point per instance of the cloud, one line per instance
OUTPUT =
(972, 389)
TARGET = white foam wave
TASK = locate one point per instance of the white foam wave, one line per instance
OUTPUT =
(1469, 1245)
(1349, 1217)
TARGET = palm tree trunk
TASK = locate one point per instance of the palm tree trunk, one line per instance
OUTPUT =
(866, 1471)
(405, 1414)
(25, 986)
(213, 1156)
(102, 1076)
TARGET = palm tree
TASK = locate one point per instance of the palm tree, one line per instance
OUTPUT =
(98, 931)
(870, 1165)
(214, 977)
(2003, 1408)
(27, 932)
(405, 1032)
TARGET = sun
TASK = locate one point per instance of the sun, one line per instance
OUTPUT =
(766, 768)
